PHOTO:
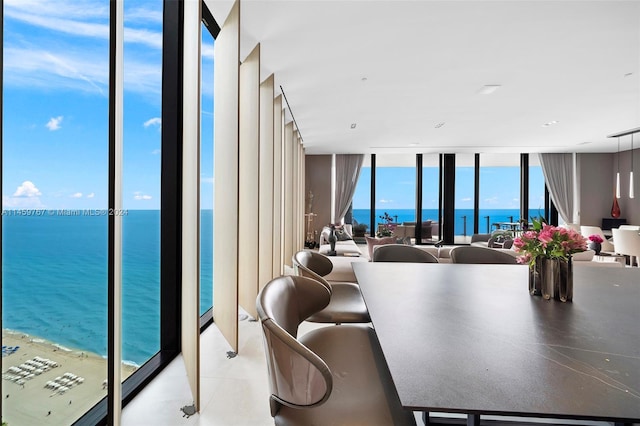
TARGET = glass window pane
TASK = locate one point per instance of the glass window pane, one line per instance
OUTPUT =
(55, 190)
(141, 181)
(206, 173)
(464, 198)
(499, 191)
(430, 192)
(395, 188)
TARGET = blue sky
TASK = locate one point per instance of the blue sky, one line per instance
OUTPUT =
(56, 105)
(499, 188)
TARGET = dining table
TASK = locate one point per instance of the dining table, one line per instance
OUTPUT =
(470, 339)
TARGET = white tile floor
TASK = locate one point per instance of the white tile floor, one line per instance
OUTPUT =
(235, 391)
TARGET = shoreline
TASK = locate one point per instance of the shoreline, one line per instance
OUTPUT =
(49, 384)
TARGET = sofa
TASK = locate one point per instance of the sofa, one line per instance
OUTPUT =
(345, 246)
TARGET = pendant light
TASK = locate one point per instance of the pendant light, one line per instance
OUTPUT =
(631, 192)
(618, 172)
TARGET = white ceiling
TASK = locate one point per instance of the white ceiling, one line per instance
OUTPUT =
(398, 68)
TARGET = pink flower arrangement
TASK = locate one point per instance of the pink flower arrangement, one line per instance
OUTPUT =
(596, 238)
(544, 240)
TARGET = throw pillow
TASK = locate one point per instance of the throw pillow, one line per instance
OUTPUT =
(342, 235)
(372, 242)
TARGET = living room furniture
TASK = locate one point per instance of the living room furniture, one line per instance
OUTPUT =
(328, 376)
(487, 347)
(608, 223)
(402, 253)
(472, 254)
(345, 246)
(346, 305)
(586, 231)
(627, 242)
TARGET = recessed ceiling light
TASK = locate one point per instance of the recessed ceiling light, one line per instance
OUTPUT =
(550, 123)
(439, 125)
(488, 89)
(353, 125)
(414, 144)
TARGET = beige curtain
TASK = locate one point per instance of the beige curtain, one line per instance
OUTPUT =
(347, 173)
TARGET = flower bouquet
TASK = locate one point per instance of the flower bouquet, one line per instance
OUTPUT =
(548, 249)
(595, 243)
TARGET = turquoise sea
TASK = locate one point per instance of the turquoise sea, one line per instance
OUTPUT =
(54, 279)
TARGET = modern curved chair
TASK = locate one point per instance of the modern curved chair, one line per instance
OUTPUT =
(402, 253)
(347, 304)
(628, 243)
(473, 254)
(606, 245)
(328, 376)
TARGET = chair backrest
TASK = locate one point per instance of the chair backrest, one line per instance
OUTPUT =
(627, 241)
(313, 261)
(632, 227)
(587, 231)
(474, 254)
(297, 376)
(402, 253)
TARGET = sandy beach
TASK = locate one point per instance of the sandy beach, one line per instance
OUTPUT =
(46, 384)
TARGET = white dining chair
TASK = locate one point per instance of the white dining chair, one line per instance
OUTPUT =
(607, 246)
(632, 227)
(627, 243)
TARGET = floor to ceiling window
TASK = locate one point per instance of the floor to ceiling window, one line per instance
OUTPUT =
(141, 181)
(395, 188)
(55, 158)
(464, 197)
(430, 192)
(499, 191)
(206, 173)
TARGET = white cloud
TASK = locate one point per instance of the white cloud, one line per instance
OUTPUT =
(207, 180)
(91, 195)
(76, 195)
(54, 123)
(140, 196)
(75, 22)
(383, 201)
(156, 151)
(27, 190)
(155, 121)
(466, 199)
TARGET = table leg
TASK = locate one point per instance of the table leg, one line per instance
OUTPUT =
(473, 419)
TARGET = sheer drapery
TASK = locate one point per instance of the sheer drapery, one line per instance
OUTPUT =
(347, 172)
(558, 175)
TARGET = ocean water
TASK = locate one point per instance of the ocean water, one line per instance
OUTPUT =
(463, 217)
(54, 279)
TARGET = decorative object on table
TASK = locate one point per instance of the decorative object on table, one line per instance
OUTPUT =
(386, 229)
(310, 241)
(548, 249)
(595, 243)
(332, 240)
